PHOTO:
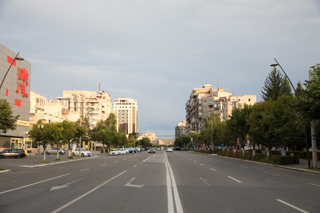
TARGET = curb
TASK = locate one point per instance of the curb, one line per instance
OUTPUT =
(49, 164)
(6, 170)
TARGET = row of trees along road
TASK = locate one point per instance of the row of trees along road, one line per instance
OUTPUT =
(280, 119)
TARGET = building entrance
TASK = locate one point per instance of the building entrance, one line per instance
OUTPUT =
(16, 143)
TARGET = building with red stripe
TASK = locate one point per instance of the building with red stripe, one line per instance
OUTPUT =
(16, 90)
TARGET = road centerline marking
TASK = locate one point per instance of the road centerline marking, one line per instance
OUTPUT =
(89, 192)
(234, 179)
(271, 174)
(292, 206)
(314, 184)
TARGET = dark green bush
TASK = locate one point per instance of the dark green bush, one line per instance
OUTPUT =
(257, 151)
(283, 160)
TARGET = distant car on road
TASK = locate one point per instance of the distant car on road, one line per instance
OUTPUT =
(159, 149)
(169, 149)
(152, 150)
(17, 153)
(84, 152)
(54, 151)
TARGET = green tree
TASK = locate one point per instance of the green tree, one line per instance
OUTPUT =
(285, 88)
(272, 85)
(7, 120)
(68, 132)
(40, 134)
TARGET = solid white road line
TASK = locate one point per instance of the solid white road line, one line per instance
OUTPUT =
(34, 183)
(169, 191)
(84, 169)
(234, 179)
(271, 174)
(213, 169)
(175, 189)
(85, 194)
(314, 184)
(292, 206)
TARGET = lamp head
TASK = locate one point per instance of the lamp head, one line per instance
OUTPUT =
(19, 58)
(274, 65)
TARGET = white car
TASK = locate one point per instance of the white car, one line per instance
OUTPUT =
(123, 151)
(169, 149)
(115, 152)
(84, 152)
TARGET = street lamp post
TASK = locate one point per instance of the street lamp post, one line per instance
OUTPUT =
(307, 143)
(15, 58)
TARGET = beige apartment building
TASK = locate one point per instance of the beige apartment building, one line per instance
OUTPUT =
(82, 103)
(181, 129)
(151, 135)
(47, 111)
(126, 111)
(203, 101)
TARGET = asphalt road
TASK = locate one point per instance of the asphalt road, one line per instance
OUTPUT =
(161, 182)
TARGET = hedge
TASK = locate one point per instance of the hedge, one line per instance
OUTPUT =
(274, 159)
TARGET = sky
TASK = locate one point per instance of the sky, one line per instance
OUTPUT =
(158, 51)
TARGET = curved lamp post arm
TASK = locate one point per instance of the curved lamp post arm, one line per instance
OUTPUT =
(277, 64)
(15, 58)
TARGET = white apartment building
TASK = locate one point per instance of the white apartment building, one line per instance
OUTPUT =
(151, 135)
(181, 129)
(126, 112)
(203, 101)
(93, 105)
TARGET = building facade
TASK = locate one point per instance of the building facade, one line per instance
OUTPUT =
(203, 101)
(126, 112)
(82, 103)
(181, 129)
(16, 90)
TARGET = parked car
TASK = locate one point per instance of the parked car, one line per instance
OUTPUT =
(17, 153)
(132, 150)
(152, 150)
(143, 149)
(122, 151)
(54, 151)
(169, 149)
(138, 149)
(84, 152)
(115, 152)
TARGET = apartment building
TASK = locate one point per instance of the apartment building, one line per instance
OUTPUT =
(126, 112)
(203, 101)
(93, 105)
(47, 111)
(152, 136)
(181, 129)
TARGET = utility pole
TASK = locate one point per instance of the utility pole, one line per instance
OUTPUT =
(313, 139)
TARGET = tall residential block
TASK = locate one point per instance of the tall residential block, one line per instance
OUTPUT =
(126, 111)
(181, 129)
(205, 100)
(90, 104)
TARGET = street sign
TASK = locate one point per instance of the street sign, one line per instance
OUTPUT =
(222, 145)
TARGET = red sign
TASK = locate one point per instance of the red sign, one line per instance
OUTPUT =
(23, 75)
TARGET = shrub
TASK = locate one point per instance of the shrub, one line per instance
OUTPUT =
(257, 151)
(71, 156)
(282, 160)
(58, 159)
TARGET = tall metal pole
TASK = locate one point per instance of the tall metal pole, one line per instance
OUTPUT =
(307, 142)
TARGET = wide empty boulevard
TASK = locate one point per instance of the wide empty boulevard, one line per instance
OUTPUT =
(163, 182)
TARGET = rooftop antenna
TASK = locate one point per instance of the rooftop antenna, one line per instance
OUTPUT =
(99, 87)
